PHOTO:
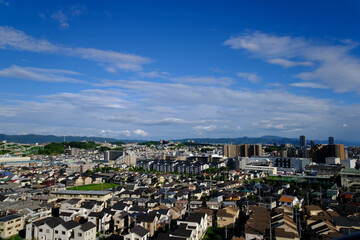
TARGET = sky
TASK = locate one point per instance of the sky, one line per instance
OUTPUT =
(180, 69)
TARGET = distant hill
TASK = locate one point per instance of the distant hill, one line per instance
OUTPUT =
(33, 138)
(244, 140)
(262, 140)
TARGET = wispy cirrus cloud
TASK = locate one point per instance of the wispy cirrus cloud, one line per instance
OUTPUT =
(287, 63)
(251, 77)
(154, 74)
(205, 128)
(204, 80)
(62, 16)
(329, 62)
(179, 110)
(113, 61)
(112, 133)
(40, 74)
(308, 85)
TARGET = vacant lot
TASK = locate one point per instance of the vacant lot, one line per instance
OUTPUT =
(92, 187)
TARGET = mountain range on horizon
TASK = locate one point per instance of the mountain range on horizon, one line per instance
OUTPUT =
(34, 138)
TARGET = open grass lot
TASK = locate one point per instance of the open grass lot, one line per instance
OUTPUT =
(94, 187)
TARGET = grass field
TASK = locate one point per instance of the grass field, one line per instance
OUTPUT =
(94, 187)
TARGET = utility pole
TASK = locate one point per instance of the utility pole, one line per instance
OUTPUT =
(270, 229)
(226, 232)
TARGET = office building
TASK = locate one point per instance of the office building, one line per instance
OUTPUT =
(331, 141)
(298, 164)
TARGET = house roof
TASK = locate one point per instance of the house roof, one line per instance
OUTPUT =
(223, 213)
(87, 226)
(9, 217)
(139, 230)
(54, 222)
(287, 198)
(70, 224)
(146, 218)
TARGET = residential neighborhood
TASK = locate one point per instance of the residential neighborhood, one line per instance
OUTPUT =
(163, 191)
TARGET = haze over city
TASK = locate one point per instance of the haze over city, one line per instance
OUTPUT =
(179, 69)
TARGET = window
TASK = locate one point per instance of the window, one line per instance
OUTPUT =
(47, 230)
(80, 234)
(56, 231)
(40, 229)
(63, 232)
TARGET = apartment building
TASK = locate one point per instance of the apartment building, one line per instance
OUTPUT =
(11, 225)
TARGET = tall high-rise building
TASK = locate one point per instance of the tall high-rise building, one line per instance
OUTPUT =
(112, 155)
(242, 150)
(312, 143)
(321, 152)
(331, 141)
(302, 141)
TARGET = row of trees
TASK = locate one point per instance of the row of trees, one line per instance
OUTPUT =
(59, 148)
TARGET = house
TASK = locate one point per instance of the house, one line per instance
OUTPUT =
(290, 201)
(101, 219)
(149, 222)
(64, 230)
(183, 203)
(209, 213)
(56, 228)
(223, 218)
(233, 211)
(177, 212)
(121, 221)
(258, 223)
(86, 231)
(213, 205)
(137, 233)
(183, 232)
(196, 221)
(11, 225)
(82, 181)
(195, 204)
(43, 228)
(312, 210)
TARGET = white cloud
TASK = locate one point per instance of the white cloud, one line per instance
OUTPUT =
(287, 63)
(179, 110)
(112, 61)
(39, 74)
(277, 124)
(251, 77)
(11, 38)
(308, 85)
(333, 65)
(61, 18)
(141, 132)
(205, 128)
(205, 80)
(112, 133)
(153, 74)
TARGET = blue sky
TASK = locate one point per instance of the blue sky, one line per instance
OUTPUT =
(180, 69)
